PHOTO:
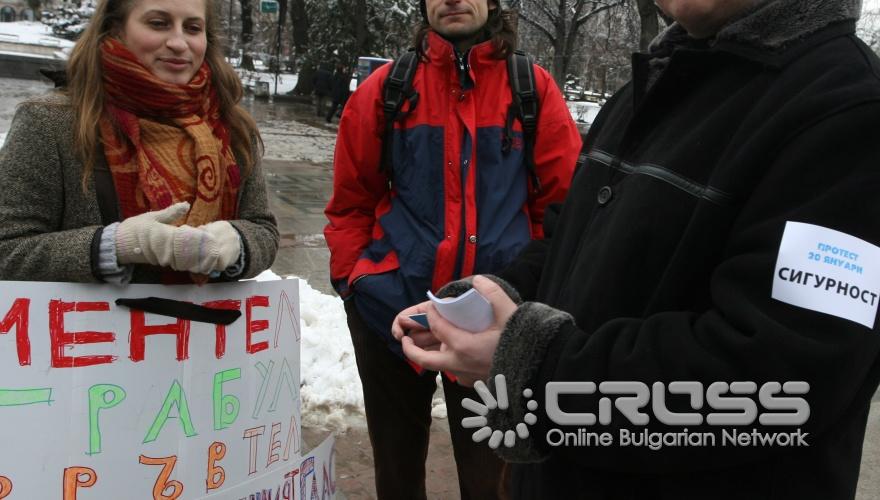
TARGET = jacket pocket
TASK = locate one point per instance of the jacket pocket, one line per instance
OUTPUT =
(379, 297)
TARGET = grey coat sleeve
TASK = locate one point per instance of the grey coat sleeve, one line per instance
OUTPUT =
(256, 224)
(39, 239)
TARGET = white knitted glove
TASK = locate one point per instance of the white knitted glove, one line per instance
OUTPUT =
(149, 239)
(227, 243)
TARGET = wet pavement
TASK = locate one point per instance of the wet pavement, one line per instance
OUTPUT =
(298, 193)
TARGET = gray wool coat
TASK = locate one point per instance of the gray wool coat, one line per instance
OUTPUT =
(49, 224)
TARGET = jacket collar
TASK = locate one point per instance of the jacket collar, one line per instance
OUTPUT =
(773, 32)
(441, 51)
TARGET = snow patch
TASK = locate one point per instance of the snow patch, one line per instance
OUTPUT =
(286, 81)
(332, 397)
(295, 141)
(32, 33)
(438, 403)
(583, 111)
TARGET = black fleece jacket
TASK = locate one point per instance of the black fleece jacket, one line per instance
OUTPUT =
(665, 252)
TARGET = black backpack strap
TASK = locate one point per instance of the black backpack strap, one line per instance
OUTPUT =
(521, 74)
(397, 89)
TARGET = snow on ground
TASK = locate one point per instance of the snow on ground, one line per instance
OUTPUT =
(295, 141)
(331, 392)
(32, 32)
(286, 81)
(583, 111)
(331, 388)
(283, 137)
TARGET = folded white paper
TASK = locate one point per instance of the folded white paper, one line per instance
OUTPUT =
(469, 311)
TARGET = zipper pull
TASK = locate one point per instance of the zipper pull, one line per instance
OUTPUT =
(463, 77)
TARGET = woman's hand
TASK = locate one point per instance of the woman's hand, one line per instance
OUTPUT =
(225, 243)
(467, 355)
(151, 238)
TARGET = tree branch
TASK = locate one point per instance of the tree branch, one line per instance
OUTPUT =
(545, 9)
(581, 20)
(540, 28)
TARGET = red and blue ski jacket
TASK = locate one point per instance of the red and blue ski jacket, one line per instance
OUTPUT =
(456, 203)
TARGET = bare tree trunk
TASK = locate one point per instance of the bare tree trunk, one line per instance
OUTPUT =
(247, 35)
(559, 63)
(300, 21)
(282, 12)
(360, 29)
(279, 33)
(650, 26)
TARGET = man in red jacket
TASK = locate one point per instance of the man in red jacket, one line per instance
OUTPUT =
(456, 198)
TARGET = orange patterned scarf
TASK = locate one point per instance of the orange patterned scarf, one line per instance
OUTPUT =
(165, 143)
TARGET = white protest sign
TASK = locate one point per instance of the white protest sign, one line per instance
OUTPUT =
(308, 478)
(828, 271)
(100, 401)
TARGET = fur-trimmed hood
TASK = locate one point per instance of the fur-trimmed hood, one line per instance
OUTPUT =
(774, 24)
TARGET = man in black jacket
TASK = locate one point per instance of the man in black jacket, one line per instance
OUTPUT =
(322, 81)
(339, 91)
(718, 251)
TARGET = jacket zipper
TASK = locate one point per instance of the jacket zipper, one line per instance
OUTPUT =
(463, 76)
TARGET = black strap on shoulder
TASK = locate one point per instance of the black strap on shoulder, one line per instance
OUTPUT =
(105, 192)
(397, 89)
(521, 74)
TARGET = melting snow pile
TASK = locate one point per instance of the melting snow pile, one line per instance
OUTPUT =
(331, 388)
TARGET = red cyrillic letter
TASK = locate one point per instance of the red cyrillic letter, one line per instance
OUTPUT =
(139, 332)
(18, 317)
(220, 344)
(61, 339)
(256, 325)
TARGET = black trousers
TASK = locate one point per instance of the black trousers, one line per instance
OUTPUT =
(321, 102)
(333, 108)
(398, 408)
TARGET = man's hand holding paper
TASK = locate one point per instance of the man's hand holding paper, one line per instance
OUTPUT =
(466, 354)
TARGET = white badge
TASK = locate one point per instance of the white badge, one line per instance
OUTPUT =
(828, 271)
